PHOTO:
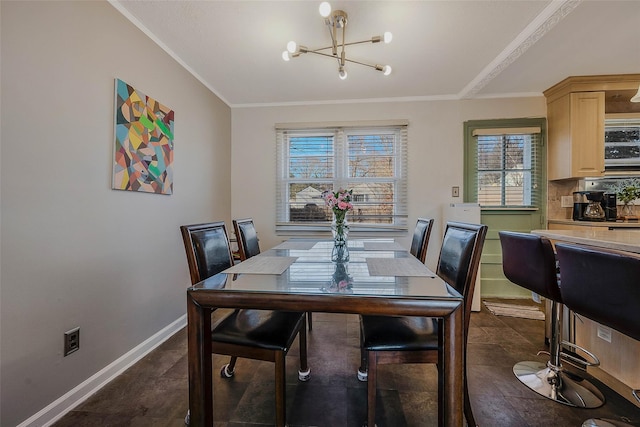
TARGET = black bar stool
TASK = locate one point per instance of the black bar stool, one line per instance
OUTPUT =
(529, 261)
(602, 285)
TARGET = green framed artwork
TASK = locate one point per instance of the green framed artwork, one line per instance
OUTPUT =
(143, 157)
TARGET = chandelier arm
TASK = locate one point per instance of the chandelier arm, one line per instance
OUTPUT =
(359, 42)
(332, 32)
(343, 54)
(321, 48)
(361, 63)
(346, 44)
(323, 54)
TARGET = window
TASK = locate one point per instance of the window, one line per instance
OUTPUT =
(370, 160)
(505, 166)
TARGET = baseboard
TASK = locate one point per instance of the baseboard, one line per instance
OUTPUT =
(613, 383)
(57, 409)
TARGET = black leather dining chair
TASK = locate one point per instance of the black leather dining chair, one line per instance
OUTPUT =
(386, 340)
(247, 238)
(529, 261)
(248, 246)
(602, 285)
(420, 239)
(253, 334)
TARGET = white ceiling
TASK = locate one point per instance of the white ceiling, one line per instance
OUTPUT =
(440, 49)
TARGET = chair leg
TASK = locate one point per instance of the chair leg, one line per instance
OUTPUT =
(468, 413)
(371, 388)
(304, 373)
(227, 370)
(309, 320)
(362, 370)
(281, 389)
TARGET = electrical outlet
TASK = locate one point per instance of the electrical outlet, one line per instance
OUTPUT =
(604, 333)
(566, 202)
(455, 191)
(71, 341)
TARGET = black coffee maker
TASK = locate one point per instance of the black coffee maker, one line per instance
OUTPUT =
(592, 206)
(594, 210)
(609, 204)
(580, 203)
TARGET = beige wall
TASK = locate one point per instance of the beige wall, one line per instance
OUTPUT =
(75, 252)
(435, 152)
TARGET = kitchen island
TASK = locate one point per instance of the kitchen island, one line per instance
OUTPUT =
(570, 224)
(619, 239)
(619, 363)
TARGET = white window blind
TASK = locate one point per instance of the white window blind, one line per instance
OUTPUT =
(507, 167)
(372, 161)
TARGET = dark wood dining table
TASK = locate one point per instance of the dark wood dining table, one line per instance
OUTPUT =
(382, 278)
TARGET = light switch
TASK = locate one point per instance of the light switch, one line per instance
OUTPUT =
(455, 191)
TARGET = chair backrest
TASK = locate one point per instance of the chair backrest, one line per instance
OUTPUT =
(208, 250)
(247, 238)
(602, 285)
(529, 261)
(460, 258)
(420, 240)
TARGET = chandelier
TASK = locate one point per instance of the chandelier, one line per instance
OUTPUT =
(336, 22)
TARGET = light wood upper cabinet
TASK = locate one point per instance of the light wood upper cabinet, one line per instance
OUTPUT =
(576, 135)
(576, 110)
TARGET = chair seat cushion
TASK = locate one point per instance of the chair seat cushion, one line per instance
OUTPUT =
(398, 333)
(264, 329)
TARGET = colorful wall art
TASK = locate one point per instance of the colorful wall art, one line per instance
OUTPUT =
(144, 142)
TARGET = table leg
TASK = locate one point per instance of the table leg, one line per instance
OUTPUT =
(199, 361)
(452, 371)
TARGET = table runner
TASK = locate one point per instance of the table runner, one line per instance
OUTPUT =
(383, 246)
(297, 245)
(261, 264)
(409, 266)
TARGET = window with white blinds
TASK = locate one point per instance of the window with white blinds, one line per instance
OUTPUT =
(372, 161)
(506, 167)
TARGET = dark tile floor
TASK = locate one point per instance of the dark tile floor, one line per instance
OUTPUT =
(154, 391)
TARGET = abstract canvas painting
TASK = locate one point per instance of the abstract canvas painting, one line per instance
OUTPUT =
(143, 142)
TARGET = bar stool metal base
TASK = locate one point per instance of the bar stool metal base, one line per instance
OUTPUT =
(601, 422)
(558, 385)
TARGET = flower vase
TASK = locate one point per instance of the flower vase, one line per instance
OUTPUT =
(627, 209)
(341, 281)
(340, 231)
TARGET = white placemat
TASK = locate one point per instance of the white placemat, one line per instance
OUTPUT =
(409, 266)
(262, 265)
(383, 246)
(301, 245)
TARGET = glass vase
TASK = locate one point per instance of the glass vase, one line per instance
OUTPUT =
(341, 281)
(627, 209)
(340, 231)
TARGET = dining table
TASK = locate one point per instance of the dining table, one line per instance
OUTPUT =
(380, 277)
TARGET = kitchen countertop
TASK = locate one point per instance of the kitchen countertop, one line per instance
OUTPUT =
(605, 224)
(622, 240)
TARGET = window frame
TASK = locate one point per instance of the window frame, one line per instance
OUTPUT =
(471, 158)
(341, 176)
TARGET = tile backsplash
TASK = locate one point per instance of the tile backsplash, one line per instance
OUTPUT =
(557, 189)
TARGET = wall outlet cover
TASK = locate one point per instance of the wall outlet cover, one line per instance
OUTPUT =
(604, 333)
(566, 202)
